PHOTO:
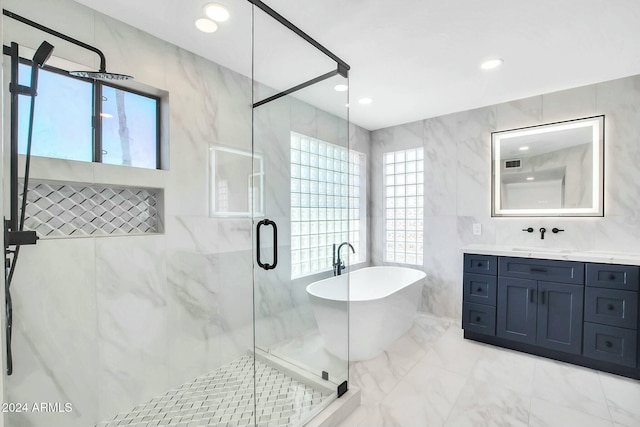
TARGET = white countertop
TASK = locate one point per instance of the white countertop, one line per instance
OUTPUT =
(607, 257)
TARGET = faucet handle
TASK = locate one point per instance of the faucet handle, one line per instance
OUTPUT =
(556, 230)
(528, 230)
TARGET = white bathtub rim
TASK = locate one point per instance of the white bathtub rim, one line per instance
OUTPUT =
(420, 275)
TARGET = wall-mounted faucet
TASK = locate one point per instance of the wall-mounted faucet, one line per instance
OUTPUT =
(543, 230)
(338, 264)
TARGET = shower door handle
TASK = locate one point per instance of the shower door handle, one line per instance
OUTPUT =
(275, 244)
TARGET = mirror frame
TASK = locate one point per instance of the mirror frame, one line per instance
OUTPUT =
(597, 205)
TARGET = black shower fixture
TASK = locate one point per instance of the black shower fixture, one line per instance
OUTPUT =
(101, 74)
(14, 233)
(42, 54)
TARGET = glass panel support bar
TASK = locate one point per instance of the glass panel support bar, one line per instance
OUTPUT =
(298, 87)
(275, 15)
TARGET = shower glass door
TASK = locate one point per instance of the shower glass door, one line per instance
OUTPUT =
(301, 131)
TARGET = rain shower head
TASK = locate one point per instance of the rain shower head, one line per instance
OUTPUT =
(100, 75)
(42, 54)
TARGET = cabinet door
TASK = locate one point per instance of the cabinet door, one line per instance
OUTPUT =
(560, 309)
(516, 309)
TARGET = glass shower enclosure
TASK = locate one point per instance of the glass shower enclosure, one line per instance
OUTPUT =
(301, 130)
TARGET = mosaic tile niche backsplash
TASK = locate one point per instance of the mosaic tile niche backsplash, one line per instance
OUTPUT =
(57, 210)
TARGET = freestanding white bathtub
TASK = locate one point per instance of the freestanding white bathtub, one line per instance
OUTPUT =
(382, 306)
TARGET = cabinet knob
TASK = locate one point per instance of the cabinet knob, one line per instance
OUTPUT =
(609, 344)
(479, 264)
(479, 290)
(612, 276)
(610, 307)
(478, 318)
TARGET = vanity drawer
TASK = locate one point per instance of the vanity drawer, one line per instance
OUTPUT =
(538, 269)
(482, 264)
(612, 276)
(611, 307)
(610, 344)
(479, 288)
(479, 318)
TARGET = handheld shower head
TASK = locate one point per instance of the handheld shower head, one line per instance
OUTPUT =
(39, 58)
(42, 54)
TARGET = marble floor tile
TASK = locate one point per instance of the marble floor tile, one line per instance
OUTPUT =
(462, 383)
(454, 354)
(571, 386)
(511, 369)
(484, 405)
(547, 414)
(423, 398)
(623, 397)
(427, 330)
(378, 376)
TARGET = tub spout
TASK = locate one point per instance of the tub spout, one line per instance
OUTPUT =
(338, 264)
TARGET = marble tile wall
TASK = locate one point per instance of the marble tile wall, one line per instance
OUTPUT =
(458, 176)
(106, 323)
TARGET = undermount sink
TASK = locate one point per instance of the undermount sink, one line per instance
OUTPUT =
(559, 251)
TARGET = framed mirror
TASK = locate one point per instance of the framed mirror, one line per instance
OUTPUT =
(237, 182)
(555, 169)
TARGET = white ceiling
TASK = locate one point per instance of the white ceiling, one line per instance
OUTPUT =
(415, 58)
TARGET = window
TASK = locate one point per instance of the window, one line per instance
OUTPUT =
(129, 128)
(63, 121)
(404, 206)
(326, 182)
(62, 118)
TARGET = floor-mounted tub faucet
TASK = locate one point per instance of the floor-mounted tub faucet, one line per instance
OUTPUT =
(338, 264)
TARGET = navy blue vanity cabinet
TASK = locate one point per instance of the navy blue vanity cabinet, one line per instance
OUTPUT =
(542, 313)
(517, 309)
(576, 312)
(560, 308)
(479, 294)
(540, 302)
(611, 314)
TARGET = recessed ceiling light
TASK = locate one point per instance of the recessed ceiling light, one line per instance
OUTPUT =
(341, 88)
(492, 63)
(216, 11)
(530, 178)
(523, 148)
(365, 101)
(206, 25)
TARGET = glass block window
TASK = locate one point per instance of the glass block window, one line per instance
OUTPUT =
(63, 126)
(326, 208)
(404, 206)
